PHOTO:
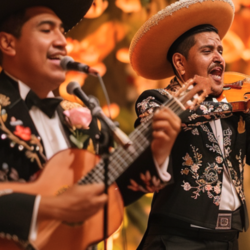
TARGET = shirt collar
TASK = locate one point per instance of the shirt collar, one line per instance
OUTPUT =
(23, 88)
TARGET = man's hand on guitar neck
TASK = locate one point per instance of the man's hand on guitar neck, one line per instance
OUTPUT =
(166, 126)
(76, 204)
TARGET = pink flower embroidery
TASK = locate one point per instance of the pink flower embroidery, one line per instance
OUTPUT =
(79, 117)
(217, 189)
(195, 167)
(208, 187)
(23, 133)
(219, 159)
(204, 109)
(186, 186)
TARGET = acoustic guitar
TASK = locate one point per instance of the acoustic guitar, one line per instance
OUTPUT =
(78, 167)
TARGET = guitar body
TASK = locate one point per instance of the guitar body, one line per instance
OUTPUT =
(63, 170)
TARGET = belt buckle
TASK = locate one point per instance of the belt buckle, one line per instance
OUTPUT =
(224, 221)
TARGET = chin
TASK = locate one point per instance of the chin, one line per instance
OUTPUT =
(58, 78)
(216, 92)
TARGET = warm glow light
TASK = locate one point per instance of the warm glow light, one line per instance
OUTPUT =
(97, 8)
(96, 46)
(245, 2)
(100, 68)
(233, 47)
(123, 55)
(129, 6)
(246, 55)
(114, 110)
(236, 5)
(230, 77)
(71, 76)
(73, 46)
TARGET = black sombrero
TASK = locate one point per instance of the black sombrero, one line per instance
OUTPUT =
(69, 11)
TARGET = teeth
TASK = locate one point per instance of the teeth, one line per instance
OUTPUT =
(216, 77)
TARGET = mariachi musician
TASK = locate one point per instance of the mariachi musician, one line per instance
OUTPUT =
(33, 126)
(205, 206)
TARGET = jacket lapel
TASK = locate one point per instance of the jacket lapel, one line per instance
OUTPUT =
(16, 114)
(17, 109)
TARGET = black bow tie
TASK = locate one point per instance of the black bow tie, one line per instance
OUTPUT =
(47, 105)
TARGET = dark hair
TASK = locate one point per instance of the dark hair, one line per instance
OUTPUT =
(186, 41)
(13, 25)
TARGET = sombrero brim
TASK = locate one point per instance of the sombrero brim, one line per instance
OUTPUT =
(69, 11)
(150, 45)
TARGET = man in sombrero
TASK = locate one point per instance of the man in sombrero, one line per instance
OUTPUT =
(204, 207)
(33, 126)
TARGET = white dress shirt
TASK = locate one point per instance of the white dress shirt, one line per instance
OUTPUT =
(53, 138)
(229, 197)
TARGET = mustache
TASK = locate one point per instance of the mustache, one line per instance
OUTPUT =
(214, 65)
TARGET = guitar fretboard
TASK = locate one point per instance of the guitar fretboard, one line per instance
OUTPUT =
(122, 158)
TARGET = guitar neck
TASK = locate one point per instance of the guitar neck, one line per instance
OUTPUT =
(122, 158)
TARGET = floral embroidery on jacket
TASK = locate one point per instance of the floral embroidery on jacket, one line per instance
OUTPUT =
(214, 145)
(151, 183)
(208, 181)
(195, 131)
(208, 111)
(238, 182)
(241, 126)
(174, 85)
(226, 136)
(21, 136)
(146, 107)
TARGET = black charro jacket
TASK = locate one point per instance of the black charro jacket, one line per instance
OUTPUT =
(197, 163)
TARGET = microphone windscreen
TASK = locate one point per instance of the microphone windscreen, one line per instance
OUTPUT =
(72, 86)
(65, 60)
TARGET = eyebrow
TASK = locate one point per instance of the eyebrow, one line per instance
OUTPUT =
(210, 46)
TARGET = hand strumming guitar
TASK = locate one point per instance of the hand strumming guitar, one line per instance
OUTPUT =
(167, 125)
(77, 204)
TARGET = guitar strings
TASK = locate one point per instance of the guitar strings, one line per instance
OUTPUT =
(121, 158)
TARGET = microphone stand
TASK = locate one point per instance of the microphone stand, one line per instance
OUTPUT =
(109, 131)
(107, 126)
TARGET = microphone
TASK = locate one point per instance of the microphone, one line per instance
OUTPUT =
(68, 63)
(73, 88)
(119, 136)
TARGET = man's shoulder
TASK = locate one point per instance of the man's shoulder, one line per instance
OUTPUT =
(148, 101)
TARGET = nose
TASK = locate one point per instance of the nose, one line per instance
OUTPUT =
(60, 41)
(219, 58)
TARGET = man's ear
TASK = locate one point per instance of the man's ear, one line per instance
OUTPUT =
(179, 62)
(7, 44)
